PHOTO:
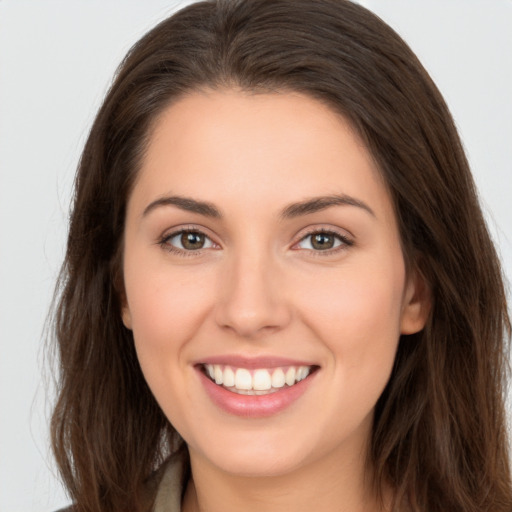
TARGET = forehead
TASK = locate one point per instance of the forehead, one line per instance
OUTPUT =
(259, 148)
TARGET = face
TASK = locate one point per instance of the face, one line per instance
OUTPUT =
(264, 279)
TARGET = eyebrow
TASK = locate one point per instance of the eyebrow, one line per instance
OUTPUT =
(306, 207)
(317, 204)
(185, 203)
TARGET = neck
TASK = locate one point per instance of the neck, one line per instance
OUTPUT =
(334, 483)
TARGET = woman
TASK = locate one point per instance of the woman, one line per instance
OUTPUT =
(279, 291)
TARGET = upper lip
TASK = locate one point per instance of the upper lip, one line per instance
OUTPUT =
(253, 362)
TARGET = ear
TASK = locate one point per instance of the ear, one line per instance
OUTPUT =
(116, 268)
(416, 305)
(126, 316)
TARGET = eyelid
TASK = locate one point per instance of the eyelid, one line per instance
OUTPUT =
(347, 240)
(169, 234)
(342, 235)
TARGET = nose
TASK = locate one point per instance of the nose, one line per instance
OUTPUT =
(252, 299)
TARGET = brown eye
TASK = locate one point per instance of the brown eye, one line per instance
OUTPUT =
(192, 241)
(322, 241)
(186, 241)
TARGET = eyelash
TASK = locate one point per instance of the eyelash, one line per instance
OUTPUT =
(164, 242)
(345, 242)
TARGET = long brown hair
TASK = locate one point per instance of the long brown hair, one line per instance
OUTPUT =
(439, 435)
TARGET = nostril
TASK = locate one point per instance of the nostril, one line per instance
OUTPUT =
(251, 302)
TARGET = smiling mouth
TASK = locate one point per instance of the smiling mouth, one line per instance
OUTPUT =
(260, 381)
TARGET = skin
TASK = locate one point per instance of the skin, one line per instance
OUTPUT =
(258, 287)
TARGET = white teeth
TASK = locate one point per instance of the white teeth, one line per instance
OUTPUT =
(290, 376)
(228, 377)
(243, 379)
(261, 380)
(218, 374)
(302, 373)
(278, 379)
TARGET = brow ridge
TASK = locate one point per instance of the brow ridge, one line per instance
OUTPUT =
(317, 204)
(185, 203)
(306, 207)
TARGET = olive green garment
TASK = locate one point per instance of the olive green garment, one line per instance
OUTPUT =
(172, 485)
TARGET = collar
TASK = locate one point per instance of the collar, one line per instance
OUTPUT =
(172, 484)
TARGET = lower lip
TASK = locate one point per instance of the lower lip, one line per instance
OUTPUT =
(254, 406)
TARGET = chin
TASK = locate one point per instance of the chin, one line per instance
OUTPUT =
(254, 455)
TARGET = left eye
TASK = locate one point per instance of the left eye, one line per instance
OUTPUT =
(322, 241)
(189, 241)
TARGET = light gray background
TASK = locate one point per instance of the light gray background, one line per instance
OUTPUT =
(56, 61)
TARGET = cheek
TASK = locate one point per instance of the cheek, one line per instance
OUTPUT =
(357, 314)
(166, 310)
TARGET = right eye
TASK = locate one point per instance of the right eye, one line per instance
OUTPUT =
(186, 240)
